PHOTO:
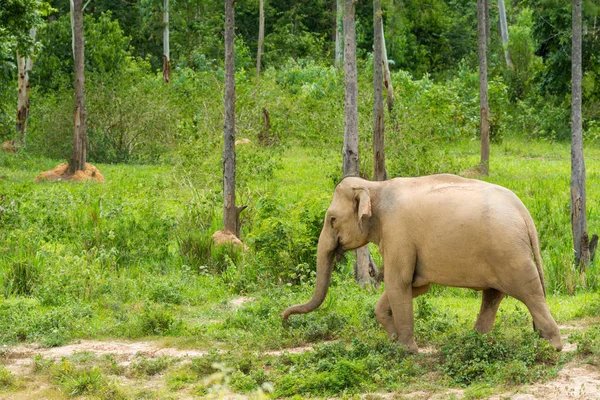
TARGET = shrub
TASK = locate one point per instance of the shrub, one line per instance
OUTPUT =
(7, 380)
(143, 366)
(155, 320)
(497, 357)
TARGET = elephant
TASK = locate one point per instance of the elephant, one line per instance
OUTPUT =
(439, 229)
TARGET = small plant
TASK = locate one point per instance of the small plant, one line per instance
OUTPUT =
(23, 271)
(155, 320)
(143, 366)
(7, 380)
(588, 342)
(497, 357)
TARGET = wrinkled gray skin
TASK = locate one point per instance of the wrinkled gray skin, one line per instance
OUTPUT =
(440, 229)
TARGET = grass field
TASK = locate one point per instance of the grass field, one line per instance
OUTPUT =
(130, 260)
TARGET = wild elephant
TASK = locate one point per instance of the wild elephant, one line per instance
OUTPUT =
(440, 229)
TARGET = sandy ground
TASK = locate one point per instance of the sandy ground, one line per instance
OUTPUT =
(574, 381)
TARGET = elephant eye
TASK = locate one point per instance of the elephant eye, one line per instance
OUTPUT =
(332, 221)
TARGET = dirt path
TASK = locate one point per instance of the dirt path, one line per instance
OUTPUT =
(573, 381)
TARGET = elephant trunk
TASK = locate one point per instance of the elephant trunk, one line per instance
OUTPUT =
(325, 255)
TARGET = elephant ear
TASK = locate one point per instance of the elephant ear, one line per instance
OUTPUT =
(364, 207)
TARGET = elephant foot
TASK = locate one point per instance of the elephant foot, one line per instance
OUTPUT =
(411, 348)
(410, 345)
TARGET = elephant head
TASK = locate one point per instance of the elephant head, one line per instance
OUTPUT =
(346, 227)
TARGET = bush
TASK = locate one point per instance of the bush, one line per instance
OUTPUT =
(497, 357)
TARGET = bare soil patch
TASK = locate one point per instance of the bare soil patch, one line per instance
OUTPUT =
(61, 173)
(20, 358)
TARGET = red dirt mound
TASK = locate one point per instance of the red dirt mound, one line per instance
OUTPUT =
(226, 237)
(8, 147)
(62, 173)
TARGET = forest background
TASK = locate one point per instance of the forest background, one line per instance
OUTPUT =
(134, 257)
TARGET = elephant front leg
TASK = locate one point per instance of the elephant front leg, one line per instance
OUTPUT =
(400, 295)
(383, 311)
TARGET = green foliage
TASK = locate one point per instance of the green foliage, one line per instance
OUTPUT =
(522, 51)
(588, 343)
(155, 320)
(107, 51)
(498, 357)
(286, 238)
(7, 380)
(22, 271)
(143, 366)
(335, 368)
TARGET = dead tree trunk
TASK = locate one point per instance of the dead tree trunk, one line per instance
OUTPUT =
(379, 171)
(339, 31)
(79, 130)
(350, 152)
(261, 35)
(230, 211)
(166, 49)
(504, 34)
(484, 165)
(578, 195)
(24, 64)
(488, 28)
(387, 76)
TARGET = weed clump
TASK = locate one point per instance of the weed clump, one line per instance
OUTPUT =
(498, 358)
(7, 380)
(143, 366)
(588, 343)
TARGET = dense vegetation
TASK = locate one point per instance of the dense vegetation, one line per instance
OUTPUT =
(133, 257)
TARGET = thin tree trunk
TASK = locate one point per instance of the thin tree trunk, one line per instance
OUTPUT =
(488, 29)
(387, 76)
(578, 196)
(339, 31)
(504, 34)
(350, 152)
(484, 165)
(261, 35)
(166, 49)
(79, 129)
(230, 213)
(25, 64)
(379, 172)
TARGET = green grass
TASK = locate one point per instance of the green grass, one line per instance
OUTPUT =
(132, 258)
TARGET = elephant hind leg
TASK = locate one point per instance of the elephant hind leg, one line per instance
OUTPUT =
(489, 307)
(532, 295)
(383, 313)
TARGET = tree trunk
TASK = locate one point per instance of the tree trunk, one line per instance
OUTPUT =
(578, 198)
(379, 172)
(79, 131)
(339, 31)
(166, 50)
(230, 213)
(488, 29)
(504, 34)
(24, 64)
(261, 35)
(350, 152)
(387, 76)
(484, 165)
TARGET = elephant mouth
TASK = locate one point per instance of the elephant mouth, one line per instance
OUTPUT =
(339, 251)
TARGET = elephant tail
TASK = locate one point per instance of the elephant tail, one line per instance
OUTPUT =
(535, 247)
